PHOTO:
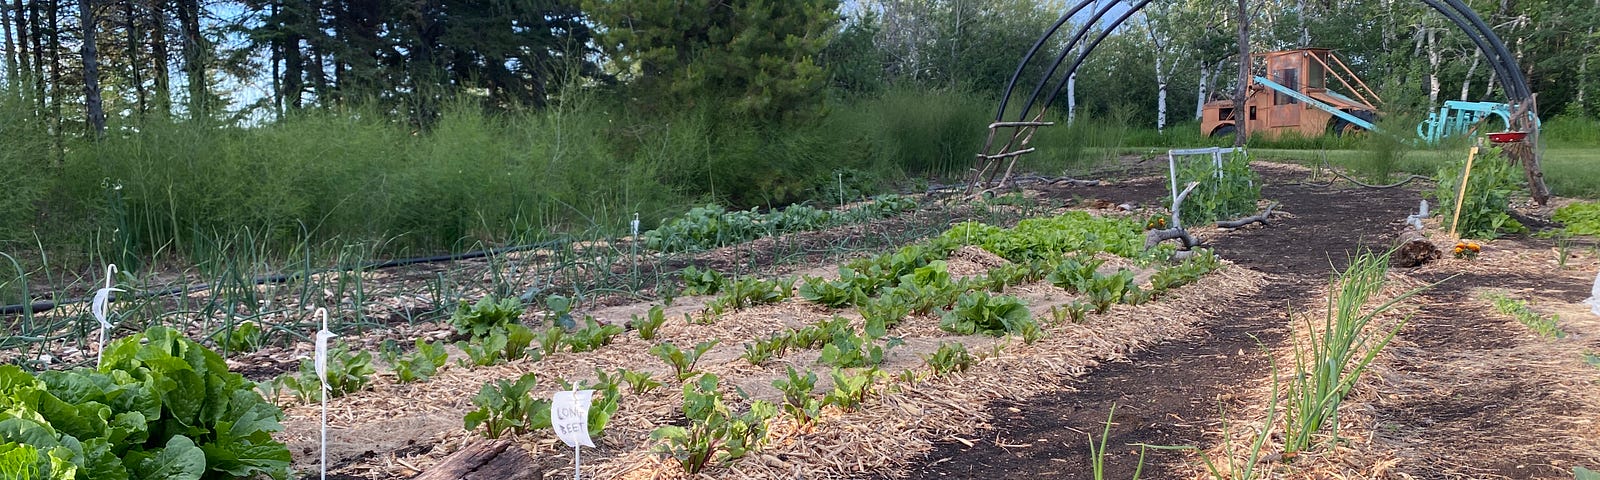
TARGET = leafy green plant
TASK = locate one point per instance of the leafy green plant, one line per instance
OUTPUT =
(508, 407)
(550, 341)
(607, 396)
(681, 361)
(1051, 237)
(638, 381)
(485, 351)
(1196, 266)
(761, 351)
(1489, 190)
(1007, 275)
(1230, 194)
(1074, 274)
(797, 399)
(592, 336)
(489, 314)
(748, 292)
(950, 357)
(849, 349)
(348, 371)
(1545, 325)
(882, 314)
(701, 282)
(834, 294)
(713, 226)
(977, 312)
(1107, 290)
(19, 461)
(423, 362)
(648, 325)
(714, 434)
(247, 336)
(560, 311)
(1074, 312)
(1579, 218)
(160, 406)
(851, 389)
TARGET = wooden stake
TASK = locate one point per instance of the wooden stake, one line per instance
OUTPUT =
(1461, 194)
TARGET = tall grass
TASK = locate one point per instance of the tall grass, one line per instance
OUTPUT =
(1338, 351)
(177, 188)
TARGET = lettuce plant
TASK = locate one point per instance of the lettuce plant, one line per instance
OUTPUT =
(160, 407)
(977, 312)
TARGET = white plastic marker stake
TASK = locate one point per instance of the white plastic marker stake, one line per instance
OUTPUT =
(1594, 296)
(569, 412)
(635, 224)
(1415, 219)
(321, 362)
(98, 309)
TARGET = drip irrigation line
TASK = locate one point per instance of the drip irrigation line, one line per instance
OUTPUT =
(1339, 174)
(278, 278)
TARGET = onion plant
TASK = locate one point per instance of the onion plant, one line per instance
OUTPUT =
(1338, 353)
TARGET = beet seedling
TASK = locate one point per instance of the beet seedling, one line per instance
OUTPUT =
(682, 361)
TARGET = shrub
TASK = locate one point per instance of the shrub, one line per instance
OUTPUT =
(1489, 190)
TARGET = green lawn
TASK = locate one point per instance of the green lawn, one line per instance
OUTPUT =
(1569, 171)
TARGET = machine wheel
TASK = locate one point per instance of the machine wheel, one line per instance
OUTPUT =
(1223, 131)
(1340, 127)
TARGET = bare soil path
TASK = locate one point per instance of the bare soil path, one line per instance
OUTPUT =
(1468, 393)
(1170, 393)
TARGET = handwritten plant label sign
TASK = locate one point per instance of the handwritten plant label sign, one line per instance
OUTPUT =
(569, 413)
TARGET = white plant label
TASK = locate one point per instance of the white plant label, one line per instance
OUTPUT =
(569, 413)
(97, 308)
(634, 225)
(321, 363)
(1594, 296)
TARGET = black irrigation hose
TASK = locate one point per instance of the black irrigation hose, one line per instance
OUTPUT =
(1073, 70)
(278, 278)
(1067, 49)
(1033, 51)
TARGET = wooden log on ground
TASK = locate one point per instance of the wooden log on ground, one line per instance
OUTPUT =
(1261, 217)
(484, 460)
(1413, 249)
(1154, 237)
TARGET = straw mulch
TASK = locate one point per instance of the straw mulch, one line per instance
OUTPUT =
(397, 430)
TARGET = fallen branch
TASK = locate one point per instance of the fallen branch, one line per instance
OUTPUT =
(1155, 237)
(1262, 217)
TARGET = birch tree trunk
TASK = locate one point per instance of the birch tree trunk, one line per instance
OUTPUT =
(1466, 82)
(1200, 92)
(1072, 92)
(1433, 67)
(1161, 94)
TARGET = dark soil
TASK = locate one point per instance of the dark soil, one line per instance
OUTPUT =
(1170, 393)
